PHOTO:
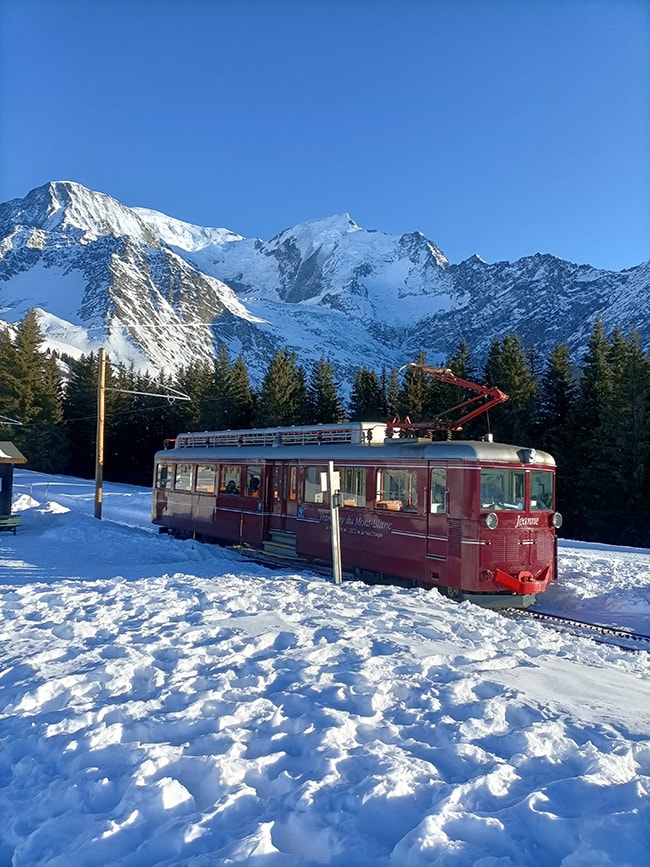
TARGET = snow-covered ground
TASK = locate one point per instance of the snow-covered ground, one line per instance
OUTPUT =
(170, 703)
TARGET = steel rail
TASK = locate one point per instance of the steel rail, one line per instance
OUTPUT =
(597, 631)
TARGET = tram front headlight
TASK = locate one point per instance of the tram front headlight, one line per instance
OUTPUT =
(491, 520)
(556, 520)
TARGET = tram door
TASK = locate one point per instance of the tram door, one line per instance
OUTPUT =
(284, 497)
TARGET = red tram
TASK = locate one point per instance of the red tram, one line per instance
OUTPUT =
(475, 519)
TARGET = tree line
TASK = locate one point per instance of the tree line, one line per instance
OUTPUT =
(592, 414)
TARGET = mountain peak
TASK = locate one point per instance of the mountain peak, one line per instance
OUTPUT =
(68, 205)
(339, 222)
(325, 228)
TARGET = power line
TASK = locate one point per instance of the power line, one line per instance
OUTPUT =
(4, 419)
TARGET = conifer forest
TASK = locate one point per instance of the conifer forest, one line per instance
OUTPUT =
(591, 413)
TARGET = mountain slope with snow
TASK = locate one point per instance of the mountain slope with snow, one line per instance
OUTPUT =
(84, 258)
(160, 292)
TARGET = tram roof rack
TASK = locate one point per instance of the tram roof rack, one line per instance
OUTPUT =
(362, 433)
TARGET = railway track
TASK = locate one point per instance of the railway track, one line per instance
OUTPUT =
(624, 639)
(615, 636)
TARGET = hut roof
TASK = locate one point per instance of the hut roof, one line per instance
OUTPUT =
(9, 454)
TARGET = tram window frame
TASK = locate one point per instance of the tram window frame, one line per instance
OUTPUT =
(439, 494)
(293, 483)
(397, 489)
(543, 502)
(164, 476)
(502, 488)
(183, 477)
(311, 485)
(230, 473)
(252, 490)
(353, 486)
(206, 482)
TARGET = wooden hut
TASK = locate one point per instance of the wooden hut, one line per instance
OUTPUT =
(9, 455)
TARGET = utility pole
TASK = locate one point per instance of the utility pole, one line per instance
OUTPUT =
(99, 444)
(171, 394)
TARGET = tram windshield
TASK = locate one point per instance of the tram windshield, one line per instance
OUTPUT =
(503, 489)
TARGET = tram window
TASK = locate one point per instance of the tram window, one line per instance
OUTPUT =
(438, 490)
(353, 486)
(541, 490)
(229, 479)
(253, 481)
(397, 490)
(293, 483)
(164, 475)
(313, 492)
(502, 489)
(206, 478)
(183, 477)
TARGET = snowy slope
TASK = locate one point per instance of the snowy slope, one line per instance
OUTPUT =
(185, 236)
(168, 703)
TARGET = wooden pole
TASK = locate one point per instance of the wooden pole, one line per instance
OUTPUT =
(99, 444)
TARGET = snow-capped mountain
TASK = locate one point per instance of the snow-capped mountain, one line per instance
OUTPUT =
(160, 293)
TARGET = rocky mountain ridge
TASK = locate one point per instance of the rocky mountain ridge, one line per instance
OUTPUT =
(160, 293)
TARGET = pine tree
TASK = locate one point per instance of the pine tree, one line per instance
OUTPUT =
(282, 398)
(592, 456)
(227, 402)
(324, 406)
(32, 390)
(366, 398)
(629, 438)
(216, 409)
(507, 368)
(135, 416)
(53, 439)
(460, 363)
(412, 400)
(596, 379)
(122, 426)
(242, 395)
(557, 399)
(557, 396)
(172, 416)
(390, 389)
(197, 381)
(9, 385)
(80, 415)
(28, 371)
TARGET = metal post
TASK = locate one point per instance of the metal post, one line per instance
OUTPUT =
(335, 496)
(99, 445)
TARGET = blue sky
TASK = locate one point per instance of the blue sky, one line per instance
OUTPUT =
(497, 127)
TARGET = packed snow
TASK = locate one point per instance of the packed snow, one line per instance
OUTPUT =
(165, 702)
